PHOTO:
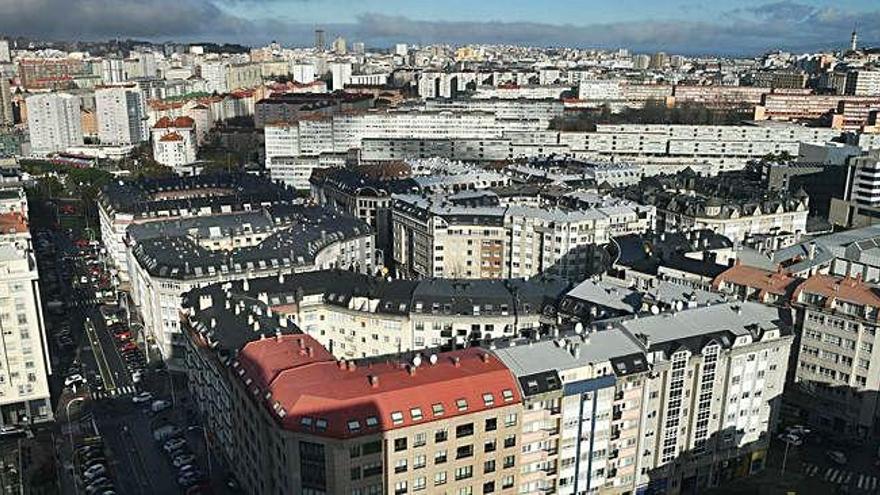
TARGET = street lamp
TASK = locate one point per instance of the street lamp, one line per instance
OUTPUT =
(70, 436)
(789, 440)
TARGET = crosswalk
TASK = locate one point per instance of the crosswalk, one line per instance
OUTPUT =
(861, 482)
(116, 392)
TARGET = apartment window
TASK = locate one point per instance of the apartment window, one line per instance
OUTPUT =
(372, 448)
(489, 487)
(420, 439)
(356, 473)
(371, 469)
(400, 488)
(440, 457)
(419, 461)
(416, 414)
(489, 466)
(399, 444)
(419, 484)
(464, 430)
(510, 419)
(506, 482)
(464, 473)
(464, 452)
(489, 446)
(437, 409)
(397, 417)
(461, 404)
(507, 395)
(400, 466)
(509, 461)
(510, 442)
(488, 400)
(354, 451)
(354, 425)
(441, 435)
(372, 421)
(491, 424)
(440, 478)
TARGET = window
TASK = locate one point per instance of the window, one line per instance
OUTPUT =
(509, 461)
(400, 488)
(371, 469)
(464, 452)
(506, 482)
(400, 466)
(321, 424)
(488, 399)
(489, 466)
(509, 442)
(440, 457)
(399, 444)
(354, 425)
(419, 483)
(420, 439)
(416, 414)
(372, 421)
(441, 435)
(510, 419)
(507, 394)
(356, 473)
(354, 451)
(491, 424)
(419, 461)
(489, 487)
(372, 448)
(464, 473)
(461, 404)
(489, 446)
(464, 430)
(397, 417)
(440, 478)
(437, 409)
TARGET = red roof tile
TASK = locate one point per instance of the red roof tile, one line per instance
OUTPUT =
(305, 392)
(779, 283)
(171, 136)
(13, 222)
(851, 290)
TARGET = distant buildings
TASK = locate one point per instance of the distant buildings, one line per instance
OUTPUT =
(174, 142)
(54, 122)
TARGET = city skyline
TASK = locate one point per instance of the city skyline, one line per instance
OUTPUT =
(672, 25)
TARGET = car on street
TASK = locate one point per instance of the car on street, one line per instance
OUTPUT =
(87, 463)
(10, 430)
(94, 471)
(128, 346)
(183, 460)
(173, 444)
(73, 379)
(186, 468)
(836, 457)
(142, 398)
(123, 336)
(160, 405)
(189, 479)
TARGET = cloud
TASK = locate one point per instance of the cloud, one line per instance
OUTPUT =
(783, 24)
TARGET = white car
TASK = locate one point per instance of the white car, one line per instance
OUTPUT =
(142, 397)
(94, 471)
(136, 376)
(73, 379)
(836, 456)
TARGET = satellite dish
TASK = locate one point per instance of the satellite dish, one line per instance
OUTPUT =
(655, 310)
(433, 359)
(417, 361)
(578, 328)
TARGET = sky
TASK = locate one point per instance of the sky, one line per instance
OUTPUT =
(733, 27)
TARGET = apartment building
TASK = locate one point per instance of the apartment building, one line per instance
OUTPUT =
(122, 115)
(6, 116)
(673, 402)
(860, 204)
(124, 203)
(836, 380)
(50, 73)
(471, 235)
(24, 379)
(168, 258)
(174, 142)
(53, 122)
(863, 83)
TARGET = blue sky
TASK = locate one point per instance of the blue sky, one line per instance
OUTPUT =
(683, 26)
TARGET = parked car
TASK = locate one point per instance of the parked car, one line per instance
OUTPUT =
(10, 430)
(94, 472)
(173, 444)
(128, 346)
(183, 460)
(73, 379)
(142, 397)
(160, 405)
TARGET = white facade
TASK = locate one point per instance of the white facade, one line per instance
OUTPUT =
(53, 122)
(214, 74)
(341, 72)
(303, 73)
(121, 114)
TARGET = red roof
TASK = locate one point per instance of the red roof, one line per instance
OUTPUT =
(171, 136)
(178, 123)
(318, 395)
(12, 223)
(779, 283)
(851, 290)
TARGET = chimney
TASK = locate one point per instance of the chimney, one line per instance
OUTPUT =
(341, 364)
(280, 278)
(456, 361)
(245, 286)
(485, 357)
(278, 335)
(282, 321)
(411, 370)
(374, 381)
(309, 351)
(352, 366)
